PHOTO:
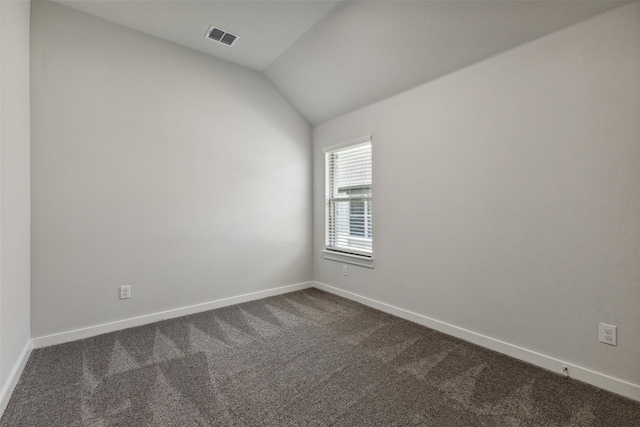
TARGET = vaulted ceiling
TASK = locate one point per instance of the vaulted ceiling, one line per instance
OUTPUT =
(330, 57)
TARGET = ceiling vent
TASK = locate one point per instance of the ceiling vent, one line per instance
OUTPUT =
(221, 36)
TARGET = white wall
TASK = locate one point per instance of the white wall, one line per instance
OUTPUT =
(507, 196)
(184, 176)
(14, 184)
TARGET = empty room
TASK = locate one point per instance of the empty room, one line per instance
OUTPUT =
(329, 213)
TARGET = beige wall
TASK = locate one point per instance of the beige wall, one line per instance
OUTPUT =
(184, 176)
(507, 197)
(14, 187)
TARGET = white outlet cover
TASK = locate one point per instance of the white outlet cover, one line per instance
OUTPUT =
(608, 334)
(125, 292)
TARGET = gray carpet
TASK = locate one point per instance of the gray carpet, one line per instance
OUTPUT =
(304, 358)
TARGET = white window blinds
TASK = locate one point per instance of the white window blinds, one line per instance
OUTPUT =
(348, 199)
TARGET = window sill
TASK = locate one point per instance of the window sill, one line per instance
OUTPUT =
(362, 261)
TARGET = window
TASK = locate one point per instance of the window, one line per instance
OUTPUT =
(348, 198)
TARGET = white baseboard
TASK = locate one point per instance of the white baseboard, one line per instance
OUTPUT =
(597, 379)
(78, 334)
(10, 385)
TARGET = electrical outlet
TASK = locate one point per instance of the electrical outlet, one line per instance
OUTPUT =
(345, 270)
(608, 334)
(125, 292)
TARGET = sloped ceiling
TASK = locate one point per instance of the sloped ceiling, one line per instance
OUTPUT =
(266, 28)
(329, 58)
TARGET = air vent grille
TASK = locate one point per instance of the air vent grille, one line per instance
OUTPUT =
(221, 36)
(228, 39)
(216, 34)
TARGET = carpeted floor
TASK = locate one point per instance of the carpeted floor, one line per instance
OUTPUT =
(304, 358)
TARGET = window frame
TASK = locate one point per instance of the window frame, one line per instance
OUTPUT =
(345, 251)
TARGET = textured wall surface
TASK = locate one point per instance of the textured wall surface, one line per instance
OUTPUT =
(15, 265)
(184, 176)
(506, 197)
